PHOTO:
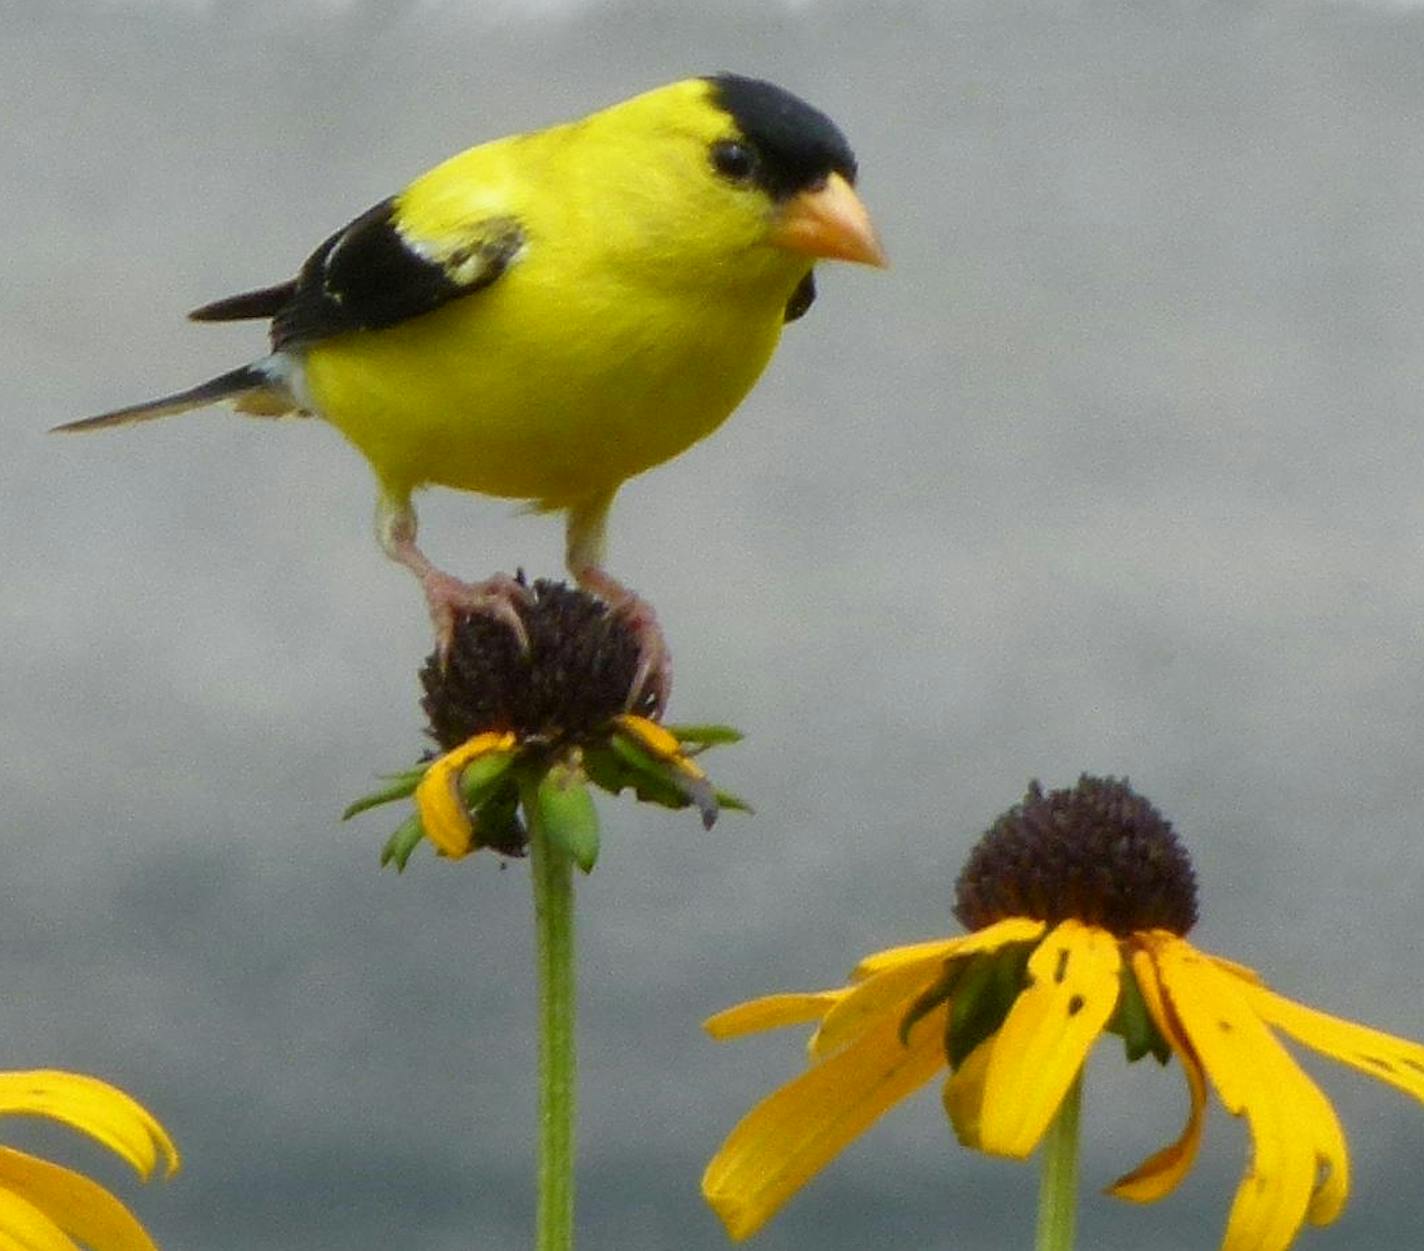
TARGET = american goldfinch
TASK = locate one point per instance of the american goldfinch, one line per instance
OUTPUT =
(546, 315)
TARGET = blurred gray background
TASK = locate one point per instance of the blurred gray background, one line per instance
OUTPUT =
(1118, 469)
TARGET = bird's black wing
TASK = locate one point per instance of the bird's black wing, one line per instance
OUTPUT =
(368, 276)
(264, 303)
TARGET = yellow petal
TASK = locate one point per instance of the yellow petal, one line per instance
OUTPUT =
(81, 1208)
(1397, 1061)
(910, 953)
(1294, 1132)
(1040, 1048)
(1332, 1186)
(792, 1134)
(102, 1111)
(990, 938)
(437, 797)
(771, 1012)
(1238, 970)
(658, 743)
(888, 993)
(23, 1227)
(963, 1095)
(1161, 1173)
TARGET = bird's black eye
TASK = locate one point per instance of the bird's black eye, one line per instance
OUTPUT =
(733, 160)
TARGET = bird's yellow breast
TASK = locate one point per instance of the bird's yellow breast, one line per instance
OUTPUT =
(539, 390)
(641, 309)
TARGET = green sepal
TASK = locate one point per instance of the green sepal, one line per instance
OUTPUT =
(481, 777)
(403, 842)
(647, 775)
(497, 823)
(985, 992)
(612, 770)
(703, 736)
(732, 803)
(567, 816)
(654, 778)
(1134, 1024)
(399, 786)
(928, 1000)
(605, 769)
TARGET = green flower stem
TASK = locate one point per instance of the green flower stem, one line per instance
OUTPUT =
(551, 870)
(1058, 1188)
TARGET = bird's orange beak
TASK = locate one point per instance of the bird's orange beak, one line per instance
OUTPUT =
(831, 223)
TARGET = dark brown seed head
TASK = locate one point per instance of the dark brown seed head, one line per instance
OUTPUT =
(1099, 853)
(576, 674)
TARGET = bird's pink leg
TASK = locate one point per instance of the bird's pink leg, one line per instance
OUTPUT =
(447, 596)
(585, 537)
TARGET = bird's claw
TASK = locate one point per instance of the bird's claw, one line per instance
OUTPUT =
(653, 677)
(450, 599)
(652, 680)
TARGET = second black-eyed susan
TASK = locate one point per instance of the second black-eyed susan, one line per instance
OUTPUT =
(1078, 904)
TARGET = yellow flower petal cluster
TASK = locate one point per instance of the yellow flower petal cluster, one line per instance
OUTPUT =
(454, 786)
(44, 1207)
(874, 1044)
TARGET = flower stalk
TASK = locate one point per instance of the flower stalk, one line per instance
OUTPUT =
(1058, 1183)
(551, 871)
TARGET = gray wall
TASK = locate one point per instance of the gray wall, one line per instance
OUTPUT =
(1118, 469)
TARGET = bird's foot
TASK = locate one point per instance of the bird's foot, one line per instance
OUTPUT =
(450, 599)
(653, 677)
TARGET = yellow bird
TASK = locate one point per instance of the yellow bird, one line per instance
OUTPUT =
(546, 315)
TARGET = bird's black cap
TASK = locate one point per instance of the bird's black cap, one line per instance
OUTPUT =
(799, 146)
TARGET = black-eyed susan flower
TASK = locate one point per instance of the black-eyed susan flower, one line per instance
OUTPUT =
(1078, 903)
(531, 723)
(525, 725)
(44, 1207)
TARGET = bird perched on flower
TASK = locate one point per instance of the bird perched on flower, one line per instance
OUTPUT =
(546, 315)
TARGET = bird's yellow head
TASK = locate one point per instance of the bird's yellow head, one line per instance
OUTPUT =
(733, 172)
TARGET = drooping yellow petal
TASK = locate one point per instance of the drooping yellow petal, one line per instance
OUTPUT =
(1332, 1186)
(81, 1208)
(792, 1134)
(94, 1107)
(1072, 992)
(23, 1227)
(1293, 1130)
(1397, 1061)
(1162, 1172)
(437, 797)
(771, 1012)
(963, 1095)
(990, 938)
(888, 993)
(658, 743)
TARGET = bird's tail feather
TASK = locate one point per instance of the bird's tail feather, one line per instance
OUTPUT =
(252, 389)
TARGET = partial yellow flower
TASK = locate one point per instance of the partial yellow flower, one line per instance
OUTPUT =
(1078, 902)
(44, 1207)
